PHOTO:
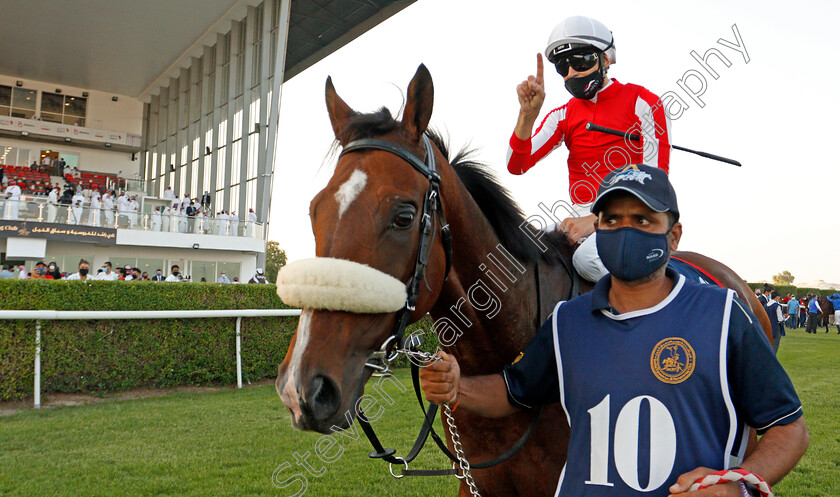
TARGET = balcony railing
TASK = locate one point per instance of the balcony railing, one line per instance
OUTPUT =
(43, 212)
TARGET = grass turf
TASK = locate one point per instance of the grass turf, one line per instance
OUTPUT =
(232, 442)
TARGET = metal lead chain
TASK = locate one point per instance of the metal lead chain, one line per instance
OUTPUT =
(464, 465)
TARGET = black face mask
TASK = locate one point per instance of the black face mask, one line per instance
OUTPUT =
(586, 87)
(83, 271)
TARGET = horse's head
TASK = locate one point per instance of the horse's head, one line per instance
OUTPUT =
(366, 223)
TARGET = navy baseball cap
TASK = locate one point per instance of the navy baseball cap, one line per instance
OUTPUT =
(648, 184)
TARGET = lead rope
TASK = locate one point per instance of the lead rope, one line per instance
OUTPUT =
(466, 475)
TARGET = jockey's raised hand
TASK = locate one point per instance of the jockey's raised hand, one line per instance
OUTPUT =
(531, 93)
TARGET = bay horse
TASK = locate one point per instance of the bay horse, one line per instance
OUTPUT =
(371, 213)
(824, 317)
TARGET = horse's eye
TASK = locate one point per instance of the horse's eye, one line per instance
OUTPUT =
(403, 219)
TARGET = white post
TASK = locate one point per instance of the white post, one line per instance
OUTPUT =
(37, 364)
(238, 353)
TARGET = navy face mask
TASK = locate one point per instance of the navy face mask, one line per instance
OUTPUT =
(631, 254)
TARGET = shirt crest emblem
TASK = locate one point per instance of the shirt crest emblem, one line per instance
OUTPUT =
(672, 360)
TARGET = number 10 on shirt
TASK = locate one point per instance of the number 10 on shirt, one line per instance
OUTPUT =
(663, 443)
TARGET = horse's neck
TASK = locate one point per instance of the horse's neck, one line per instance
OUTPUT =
(489, 301)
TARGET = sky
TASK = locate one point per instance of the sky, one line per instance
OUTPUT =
(774, 113)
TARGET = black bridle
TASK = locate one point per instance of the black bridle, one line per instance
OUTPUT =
(432, 206)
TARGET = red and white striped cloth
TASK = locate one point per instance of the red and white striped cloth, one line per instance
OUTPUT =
(730, 475)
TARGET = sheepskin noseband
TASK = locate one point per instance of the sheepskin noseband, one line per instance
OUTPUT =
(339, 285)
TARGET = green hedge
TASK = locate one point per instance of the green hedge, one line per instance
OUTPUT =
(799, 292)
(112, 355)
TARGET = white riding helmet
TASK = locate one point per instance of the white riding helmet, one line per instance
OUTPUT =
(576, 31)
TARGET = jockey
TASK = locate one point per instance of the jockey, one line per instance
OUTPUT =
(582, 50)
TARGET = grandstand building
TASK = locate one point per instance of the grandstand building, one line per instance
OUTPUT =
(154, 99)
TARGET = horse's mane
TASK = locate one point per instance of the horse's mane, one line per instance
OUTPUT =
(495, 201)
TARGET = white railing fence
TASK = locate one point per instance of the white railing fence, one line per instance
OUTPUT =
(38, 316)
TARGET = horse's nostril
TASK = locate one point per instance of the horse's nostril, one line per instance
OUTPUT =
(323, 398)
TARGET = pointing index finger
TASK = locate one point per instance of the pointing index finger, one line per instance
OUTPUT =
(539, 68)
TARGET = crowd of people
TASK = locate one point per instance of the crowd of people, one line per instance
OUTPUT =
(86, 205)
(107, 272)
(794, 311)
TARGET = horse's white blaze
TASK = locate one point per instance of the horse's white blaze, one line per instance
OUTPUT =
(348, 191)
(290, 393)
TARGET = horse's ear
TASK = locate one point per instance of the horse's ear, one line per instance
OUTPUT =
(418, 107)
(338, 110)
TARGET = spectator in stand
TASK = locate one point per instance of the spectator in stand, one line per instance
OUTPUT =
(12, 204)
(95, 209)
(200, 221)
(191, 212)
(121, 274)
(39, 272)
(107, 274)
(175, 274)
(168, 194)
(156, 220)
(223, 278)
(813, 313)
(205, 200)
(173, 218)
(165, 217)
(252, 219)
(136, 275)
(86, 191)
(123, 209)
(52, 204)
(144, 276)
(793, 312)
(129, 276)
(234, 224)
(133, 212)
(5, 273)
(53, 270)
(258, 277)
(182, 218)
(108, 208)
(22, 273)
(34, 166)
(83, 270)
(158, 275)
(77, 204)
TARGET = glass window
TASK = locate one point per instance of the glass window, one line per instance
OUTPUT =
(232, 271)
(52, 102)
(5, 100)
(75, 106)
(123, 261)
(23, 99)
(150, 266)
(65, 109)
(204, 272)
(72, 160)
(6, 95)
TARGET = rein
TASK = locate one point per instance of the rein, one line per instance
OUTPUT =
(432, 206)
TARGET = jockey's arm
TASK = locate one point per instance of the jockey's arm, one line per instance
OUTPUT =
(777, 453)
(484, 395)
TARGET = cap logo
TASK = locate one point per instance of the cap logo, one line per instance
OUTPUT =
(631, 175)
(564, 47)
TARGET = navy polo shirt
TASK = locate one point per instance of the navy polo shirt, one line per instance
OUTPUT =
(675, 385)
